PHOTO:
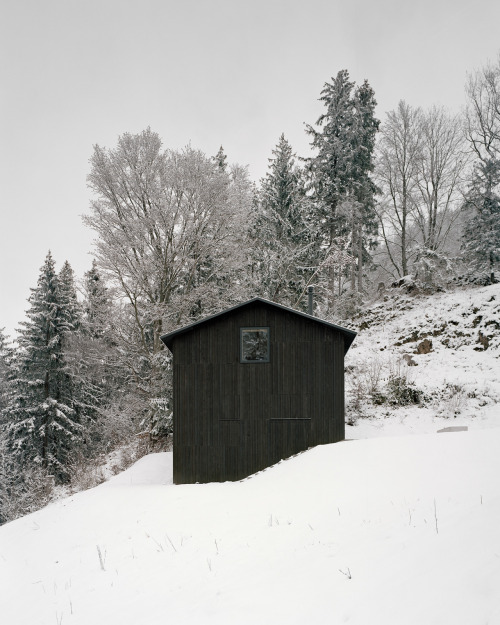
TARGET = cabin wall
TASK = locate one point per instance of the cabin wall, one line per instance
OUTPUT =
(232, 419)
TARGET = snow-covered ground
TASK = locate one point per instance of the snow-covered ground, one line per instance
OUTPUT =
(380, 531)
(388, 529)
(459, 379)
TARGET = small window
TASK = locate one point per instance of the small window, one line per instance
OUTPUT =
(254, 345)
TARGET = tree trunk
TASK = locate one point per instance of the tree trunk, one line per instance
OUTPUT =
(45, 426)
(404, 260)
(360, 261)
(331, 289)
(353, 254)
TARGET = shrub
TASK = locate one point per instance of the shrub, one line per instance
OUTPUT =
(402, 392)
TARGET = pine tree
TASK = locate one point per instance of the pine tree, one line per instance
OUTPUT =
(71, 312)
(365, 229)
(97, 304)
(332, 167)
(284, 230)
(340, 171)
(5, 355)
(43, 424)
(80, 386)
(104, 371)
(481, 239)
(220, 160)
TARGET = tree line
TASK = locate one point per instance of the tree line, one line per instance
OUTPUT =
(412, 199)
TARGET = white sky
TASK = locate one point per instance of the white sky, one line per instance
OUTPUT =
(74, 73)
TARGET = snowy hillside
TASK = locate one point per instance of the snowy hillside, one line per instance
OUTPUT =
(457, 383)
(381, 531)
(388, 529)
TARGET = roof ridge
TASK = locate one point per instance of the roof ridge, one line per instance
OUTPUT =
(349, 335)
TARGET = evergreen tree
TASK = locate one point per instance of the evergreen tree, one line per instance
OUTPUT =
(43, 424)
(284, 230)
(71, 312)
(481, 239)
(80, 387)
(220, 160)
(5, 354)
(104, 370)
(365, 228)
(332, 167)
(97, 304)
(340, 171)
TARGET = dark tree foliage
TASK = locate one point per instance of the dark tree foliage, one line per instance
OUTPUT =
(5, 355)
(332, 167)
(70, 309)
(284, 233)
(481, 239)
(341, 169)
(220, 159)
(97, 309)
(364, 187)
(43, 420)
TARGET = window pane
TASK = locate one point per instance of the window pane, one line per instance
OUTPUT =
(254, 344)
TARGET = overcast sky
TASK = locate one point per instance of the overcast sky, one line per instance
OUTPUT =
(74, 73)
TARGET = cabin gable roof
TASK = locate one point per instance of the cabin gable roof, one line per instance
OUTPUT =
(348, 335)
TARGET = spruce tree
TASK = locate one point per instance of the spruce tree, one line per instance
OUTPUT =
(365, 229)
(70, 308)
(97, 304)
(220, 160)
(340, 170)
(333, 142)
(100, 358)
(43, 424)
(481, 239)
(284, 230)
(80, 386)
(5, 355)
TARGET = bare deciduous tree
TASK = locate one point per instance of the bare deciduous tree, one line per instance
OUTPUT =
(440, 176)
(171, 228)
(483, 111)
(169, 224)
(398, 160)
(420, 169)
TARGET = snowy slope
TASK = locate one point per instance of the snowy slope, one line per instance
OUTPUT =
(459, 379)
(387, 531)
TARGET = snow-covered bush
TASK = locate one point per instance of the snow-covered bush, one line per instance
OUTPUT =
(85, 473)
(402, 392)
(23, 492)
(452, 399)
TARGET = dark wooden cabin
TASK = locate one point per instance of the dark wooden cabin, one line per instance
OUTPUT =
(252, 385)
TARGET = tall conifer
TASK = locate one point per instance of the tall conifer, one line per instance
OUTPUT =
(340, 170)
(284, 230)
(481, 240)
(43, 424)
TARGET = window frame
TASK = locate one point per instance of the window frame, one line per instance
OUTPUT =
(244, 329)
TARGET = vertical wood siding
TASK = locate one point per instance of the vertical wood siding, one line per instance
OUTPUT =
(232, 419)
